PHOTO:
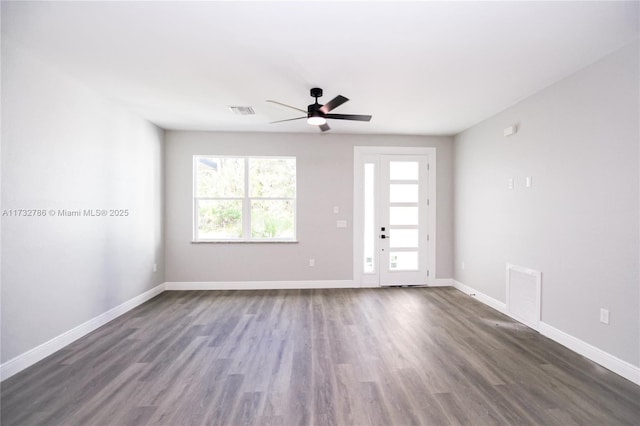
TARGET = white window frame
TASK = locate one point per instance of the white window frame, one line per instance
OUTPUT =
(246, 203)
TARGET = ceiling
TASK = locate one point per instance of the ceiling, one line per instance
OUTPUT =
(417, 67)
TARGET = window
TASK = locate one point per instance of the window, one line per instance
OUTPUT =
(244, 198)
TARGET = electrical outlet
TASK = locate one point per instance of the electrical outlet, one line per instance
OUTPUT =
(604, 316)
(312, 262)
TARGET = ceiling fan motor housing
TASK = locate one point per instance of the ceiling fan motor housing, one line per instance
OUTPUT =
(313, 110)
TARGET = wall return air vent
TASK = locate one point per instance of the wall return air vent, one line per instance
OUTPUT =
(242, 110)
(524, 294)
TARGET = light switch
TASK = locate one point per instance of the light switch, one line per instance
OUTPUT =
(510, 183)
(336, 209)
(341, 223)
(527, 182)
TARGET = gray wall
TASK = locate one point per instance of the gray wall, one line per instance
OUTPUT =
(325, 180)
(578, 223)
(66, 147)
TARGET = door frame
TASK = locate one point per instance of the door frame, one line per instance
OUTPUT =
(361, 278)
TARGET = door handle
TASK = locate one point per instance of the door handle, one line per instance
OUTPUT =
(383, 236)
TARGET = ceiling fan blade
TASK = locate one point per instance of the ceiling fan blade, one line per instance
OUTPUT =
(288, 119)
(324, 127)
(349, 117)
(288, 106)
(333, 104)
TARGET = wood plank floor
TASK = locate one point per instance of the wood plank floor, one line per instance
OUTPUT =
(402, 356)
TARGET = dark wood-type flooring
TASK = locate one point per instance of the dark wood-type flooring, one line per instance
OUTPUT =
(395, 356)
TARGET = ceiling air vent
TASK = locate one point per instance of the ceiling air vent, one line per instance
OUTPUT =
(242, 110)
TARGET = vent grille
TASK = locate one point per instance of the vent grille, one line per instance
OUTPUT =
(242, 110)
(523, 294)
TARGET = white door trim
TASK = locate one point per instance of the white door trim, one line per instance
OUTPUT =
(359, 154)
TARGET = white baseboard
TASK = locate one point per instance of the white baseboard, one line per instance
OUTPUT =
(605, 359)
(441, 282)
(42, 351)
(487, 300)
(259, 285)
(280, 285)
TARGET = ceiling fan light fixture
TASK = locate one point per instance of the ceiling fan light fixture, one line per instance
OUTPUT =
(316, 120)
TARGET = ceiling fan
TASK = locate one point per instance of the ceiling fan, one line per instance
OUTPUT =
(317, 114)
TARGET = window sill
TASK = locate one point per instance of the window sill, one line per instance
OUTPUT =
(246, 242)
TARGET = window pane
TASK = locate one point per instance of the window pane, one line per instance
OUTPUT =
(403, 261)
(272, 177)
(219, 177)
(405, 238)
(369, 218)
(403, 215)
(403, 170)
(403, 193)
(219, 219)
(272, 219)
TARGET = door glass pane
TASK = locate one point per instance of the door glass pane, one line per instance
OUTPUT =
(405, 238)
(403, 215)
(369, 218)
(403, 261)
(403, 193)
(219, 219)
(403, 170)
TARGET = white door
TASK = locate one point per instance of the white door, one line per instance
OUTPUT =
(394, 223)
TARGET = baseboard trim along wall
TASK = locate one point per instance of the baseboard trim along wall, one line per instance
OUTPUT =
(487, 300)
(441, 282)
(279, 285)
(259, 285)
(605, 359)
(27, 359)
